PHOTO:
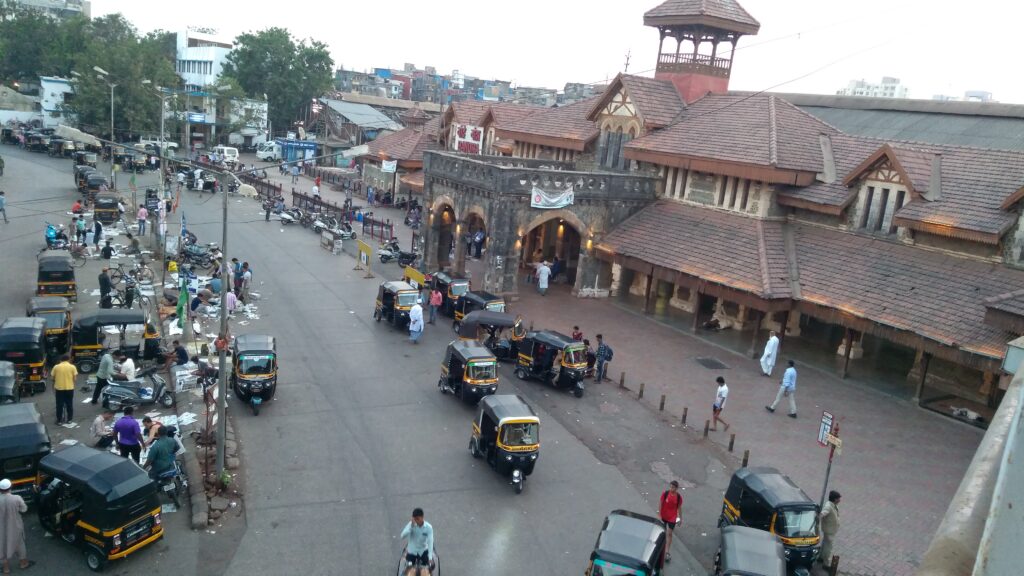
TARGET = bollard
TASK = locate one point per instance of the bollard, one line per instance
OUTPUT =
(746, 457)
(732, 440)
(707, 426)
(833, 567)
(661, 405)
(622, 380)
(686, 409)
(640, 393)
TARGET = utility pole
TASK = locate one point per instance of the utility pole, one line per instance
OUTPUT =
(222, 386)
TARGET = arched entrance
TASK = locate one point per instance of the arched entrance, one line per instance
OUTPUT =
(476, 228)
(553, 238)
(445, 235)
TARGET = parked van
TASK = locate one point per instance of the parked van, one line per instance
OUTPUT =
(268, 152)
(229, 154)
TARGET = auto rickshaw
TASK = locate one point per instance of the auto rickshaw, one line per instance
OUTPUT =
(475, 300)
(254, 369)
(129, 332)
(394, 300)
(451, 289)
(553, 358)
(36, 142)
(122, 156)
(765, 499)
(56, 275)
(95, 183)
(506, 434)
(56, 311)
(105, 209)
(629, 543)
(7, 136)
(57, 146)
(23, 343)
(468, 371)
(99, 501)
(10, 386)
(494, 323)
(90, 159)
(70, 148)
(138, 164)
(79, 158)
(80, 173)
(749, 552)
(23, 442)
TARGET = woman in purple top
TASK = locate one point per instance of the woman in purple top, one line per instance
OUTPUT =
(129, 435)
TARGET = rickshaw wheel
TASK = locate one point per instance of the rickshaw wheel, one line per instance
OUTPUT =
(255, 409)
(95, 560)
(69, 537)
(472, 450)
(377, 315)
(455, 325)
(521, 373)
(440, 386)
(577, 392)
(86, 366)
(519, 487)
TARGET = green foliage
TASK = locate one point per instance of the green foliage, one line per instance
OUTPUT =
(290, 73)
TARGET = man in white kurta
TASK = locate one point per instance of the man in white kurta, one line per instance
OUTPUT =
(771, 352)
(12, 530)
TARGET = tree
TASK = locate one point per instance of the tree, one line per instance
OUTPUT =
(235, 109)
(289, 73)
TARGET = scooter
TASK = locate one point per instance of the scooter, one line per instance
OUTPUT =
(323, 222)
(56, 239)
(173, 482)
(147, 388)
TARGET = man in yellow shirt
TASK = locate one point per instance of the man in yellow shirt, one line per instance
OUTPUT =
(64, 375)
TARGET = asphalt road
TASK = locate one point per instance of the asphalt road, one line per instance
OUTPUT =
(358, 434)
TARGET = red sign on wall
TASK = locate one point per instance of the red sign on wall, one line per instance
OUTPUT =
(468, 139)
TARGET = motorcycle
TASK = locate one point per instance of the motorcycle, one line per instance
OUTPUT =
(308, 218)
(233, 187)
(391, 251)
(323, 222)
(56, 239)
(173, 482)
(206, 257)
(147, 388)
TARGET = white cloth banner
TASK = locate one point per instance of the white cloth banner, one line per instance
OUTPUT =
(544, 199)
(389, 166)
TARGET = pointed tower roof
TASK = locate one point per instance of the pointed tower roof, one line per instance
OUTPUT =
(722, 14)
(414, 116)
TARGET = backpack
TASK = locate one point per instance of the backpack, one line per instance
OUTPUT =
(608, 353)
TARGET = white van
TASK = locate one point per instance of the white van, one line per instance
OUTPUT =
(228, 154)
(268, 152)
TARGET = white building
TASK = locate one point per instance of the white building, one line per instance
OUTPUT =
(888, 88)
(59, 8)
(54, 92)
(200, 57)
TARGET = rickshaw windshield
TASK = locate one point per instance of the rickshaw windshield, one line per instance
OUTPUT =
(54, 320)
(482, 370)
(574, 355)
(407, 299)
(796, 523)
(255, 364)
(613, 569)
(56, 276)
(520, 434)
(496, 306)
(459, 289)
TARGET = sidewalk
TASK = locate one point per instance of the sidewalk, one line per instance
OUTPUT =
(900, 465)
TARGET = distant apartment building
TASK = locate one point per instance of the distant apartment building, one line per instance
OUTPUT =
(59, 8)
(969, 96)
(888, 88)
(54, 93)
(534, 96)
(574, 92)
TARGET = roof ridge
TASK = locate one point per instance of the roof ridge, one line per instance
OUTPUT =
(773, 136)
(762, 253)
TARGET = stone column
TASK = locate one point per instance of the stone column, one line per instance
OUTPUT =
(857, 350)
(665, 291)
(616, 284)
(430, 235)
(458, 230)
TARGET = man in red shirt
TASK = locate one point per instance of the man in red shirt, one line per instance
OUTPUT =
(671, 513)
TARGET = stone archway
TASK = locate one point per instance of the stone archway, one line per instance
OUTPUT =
(475, 221)
(560, 235)
(444, 229)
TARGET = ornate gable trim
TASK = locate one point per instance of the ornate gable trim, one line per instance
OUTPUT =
(882, 166)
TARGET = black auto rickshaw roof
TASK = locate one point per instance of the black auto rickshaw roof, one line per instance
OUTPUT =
(255, 343)
(751, 552)
(471, 350)
(22, 432)
(398, 286)
(85, 168)
(107, 199)
(108, 316)
(447, 278)
(506, 406)
(630, 539)
(95, 177)
(552, 338)
(53, 261)
(103, 473)
(481, 296)
(48, 304)
(477, 318)
(22, 330)
(8, 379)
(774, 487)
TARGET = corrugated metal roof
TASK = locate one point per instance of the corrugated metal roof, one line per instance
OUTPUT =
(363, 115)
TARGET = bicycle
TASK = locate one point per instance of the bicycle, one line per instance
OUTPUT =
(118, 298)
(138, 270)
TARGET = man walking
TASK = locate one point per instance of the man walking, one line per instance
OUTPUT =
(106, 287)
(246, 282)
(543, 274)
(788, 389)
(12, 530)
(80, 229)
(295, 173)
(3, 206)
(97, 233)
(604, 356)
(103, 374)
(771, 352)
(435, 302)
(64, 375)
(142, 215)
(416, 323)
(719, 405)
(829, 526)
(671, 512)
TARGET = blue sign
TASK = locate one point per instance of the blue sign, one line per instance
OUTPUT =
(197, 117)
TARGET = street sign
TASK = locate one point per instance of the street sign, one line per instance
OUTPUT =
(834, 441)
(826, 428)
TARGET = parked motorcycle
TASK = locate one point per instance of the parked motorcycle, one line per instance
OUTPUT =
(323, 222)
(173, 482)
(391, 251)
(147, 388)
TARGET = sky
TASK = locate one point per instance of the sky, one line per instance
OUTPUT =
(811, 46)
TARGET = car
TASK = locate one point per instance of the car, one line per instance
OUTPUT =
(150, 145)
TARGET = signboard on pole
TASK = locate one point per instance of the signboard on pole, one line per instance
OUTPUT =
(389, 166)
(414, 277)
(365, 253)
(825, 430)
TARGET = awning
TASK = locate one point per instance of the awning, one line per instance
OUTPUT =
(414, 180)
(69, 133)
(355, 151)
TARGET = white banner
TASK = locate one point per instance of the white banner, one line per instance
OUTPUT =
(544, 199)
(389, 166)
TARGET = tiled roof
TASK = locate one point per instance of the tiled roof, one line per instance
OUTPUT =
(408, 144)
(474, 112)
(657, 101)
(736, 251)
(505, 113)
(413, 180)
(470, 111)
(568, 122)
(729, 10)
(939, 296)
(759, 129)
(1011, 302)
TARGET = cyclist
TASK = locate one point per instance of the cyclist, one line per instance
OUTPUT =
(420, 536)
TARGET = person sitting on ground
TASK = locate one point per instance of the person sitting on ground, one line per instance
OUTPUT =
(108, 251)
(133, 245)
(76, 208)
(150, 430)
(102, 429)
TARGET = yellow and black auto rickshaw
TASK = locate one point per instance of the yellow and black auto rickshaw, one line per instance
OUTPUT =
(254, 369)
(101, 502)
(473, 301)
(552, 358)
(56, 311)
(80, 158)
(629, 543)
(56, 275)
(767, 499)
(23, 442)
(105, 209)
(95, 183)
(58, 147)
(468, 371)
(506, 433)
(23, 343)
(394, 301)
(451, 288)
(750, 552)
(80, 173)
(118, 329)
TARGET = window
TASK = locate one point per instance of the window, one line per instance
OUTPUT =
(745, 199)
(870, 196)
(883, 205)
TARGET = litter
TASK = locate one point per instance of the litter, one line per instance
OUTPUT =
(152, 414)
(68, 442)
(70, 425)
(87, 400)
(167, 508)
(175, 330)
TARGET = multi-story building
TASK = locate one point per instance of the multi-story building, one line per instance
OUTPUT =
(54, 93)
(888, 88)
(899, 254)
(59, 8)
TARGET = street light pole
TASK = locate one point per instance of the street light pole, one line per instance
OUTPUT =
(222, 386)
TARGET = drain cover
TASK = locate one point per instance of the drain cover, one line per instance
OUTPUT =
(712, 363)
